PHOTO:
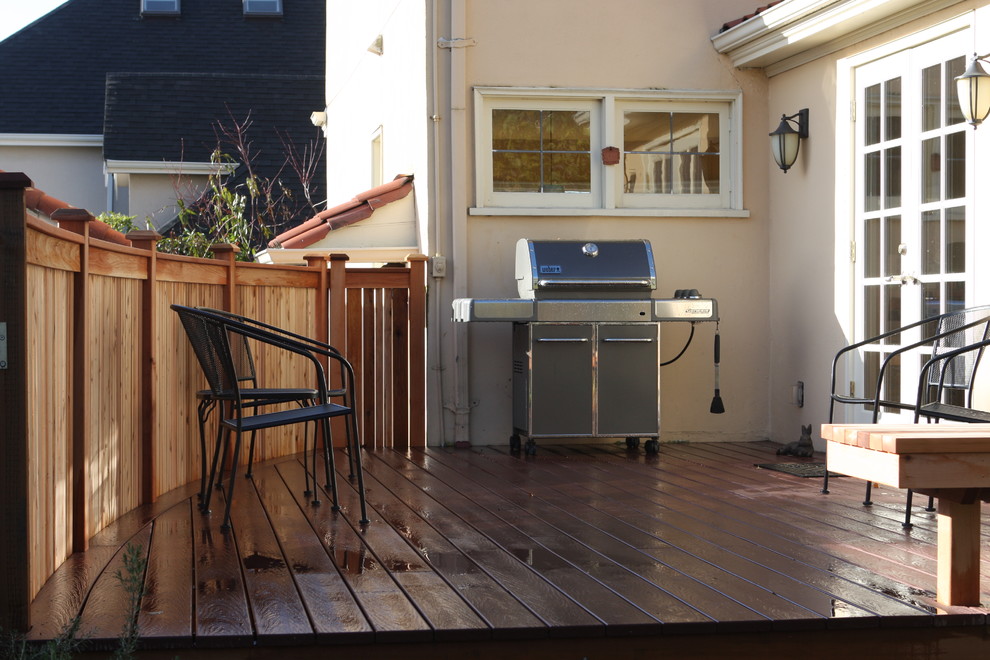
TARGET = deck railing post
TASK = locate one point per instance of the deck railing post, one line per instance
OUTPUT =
(417, 349)
(147, 240)
(228, 252)
(78, 221)
(338, 324)
(15, 560)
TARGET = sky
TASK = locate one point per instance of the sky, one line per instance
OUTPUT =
(15, 14)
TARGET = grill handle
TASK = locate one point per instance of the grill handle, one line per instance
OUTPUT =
(547, 283)
(564, 340)
(629, 340)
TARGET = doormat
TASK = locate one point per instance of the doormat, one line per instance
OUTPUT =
(799, 469)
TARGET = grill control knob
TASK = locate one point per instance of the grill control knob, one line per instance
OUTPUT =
(590, 250)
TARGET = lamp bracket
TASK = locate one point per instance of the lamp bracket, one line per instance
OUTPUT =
(801, 119)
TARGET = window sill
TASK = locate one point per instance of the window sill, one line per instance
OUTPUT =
(624, 212)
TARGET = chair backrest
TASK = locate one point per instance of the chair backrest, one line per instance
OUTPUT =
(962, 328)
(209, 341)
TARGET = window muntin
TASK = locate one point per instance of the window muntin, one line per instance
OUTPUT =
(160, 7)
(542, 149)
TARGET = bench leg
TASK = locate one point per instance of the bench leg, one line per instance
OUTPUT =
(958, 553)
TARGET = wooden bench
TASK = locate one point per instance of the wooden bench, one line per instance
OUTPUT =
(950, 462)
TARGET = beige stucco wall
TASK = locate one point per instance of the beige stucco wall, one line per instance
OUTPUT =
(585, 43)
(71, 174)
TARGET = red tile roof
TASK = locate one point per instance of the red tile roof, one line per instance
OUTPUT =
(354, 210)
(44, 204)
(743, 19)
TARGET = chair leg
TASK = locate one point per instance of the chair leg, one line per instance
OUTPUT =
(309, 490)
(931, 504)
(249, 474)
(356, 451)
(203, 411)
(825, 482)
(869, 490)
(219, 446)
(329, 467)
(229, 493)
(907, 524)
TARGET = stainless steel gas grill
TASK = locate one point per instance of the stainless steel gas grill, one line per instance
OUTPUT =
(585, 339)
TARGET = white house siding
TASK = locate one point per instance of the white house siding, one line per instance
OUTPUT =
(74, 174)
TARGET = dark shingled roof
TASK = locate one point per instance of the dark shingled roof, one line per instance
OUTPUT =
(53, 72)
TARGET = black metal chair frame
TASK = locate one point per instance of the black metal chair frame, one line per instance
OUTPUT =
(211, 334)
(930, 383)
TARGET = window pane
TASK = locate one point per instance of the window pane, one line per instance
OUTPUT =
(892, 242)
(648, 173)
(892, 177)
(516, 172)
(955, 165)
(892, 311)
(871, 182)
(566, 131)
(567, 173)
(931, 238)
(872, 127)
(955, 296)
(931, 102)
(671, 153)
(892, 103)
(695, 132)
(931, 304)
(646, 131)
(871, 247)
(516, 129)
(931, 170)
(955, 240)
(953, 69)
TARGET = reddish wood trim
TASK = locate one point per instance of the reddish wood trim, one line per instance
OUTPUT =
(77, 221)
(15, 560)
(400, 369)
(369, 388)
(147, 241)
(417, 350)
(338, 301)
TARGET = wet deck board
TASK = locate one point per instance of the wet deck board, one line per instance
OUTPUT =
(464, 546)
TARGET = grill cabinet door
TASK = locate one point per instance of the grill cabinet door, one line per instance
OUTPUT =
(561, 379)
(628, 391)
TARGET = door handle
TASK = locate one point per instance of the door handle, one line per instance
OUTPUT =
(903, 279)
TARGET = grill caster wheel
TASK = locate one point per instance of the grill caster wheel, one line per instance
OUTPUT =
(531, 447)
(632, 443)
(514, 444)
(652, 446)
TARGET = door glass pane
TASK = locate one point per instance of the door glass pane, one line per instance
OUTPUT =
(892, 242)
(871, 310)
(892, 107)
(931, 238)
(892, 381)
(955, 240)
(892, 177)
(931, 305)
(872, 128)
(931, 99)
(892, 311)
(955, 165)
(871, 182)
(953, 69)
(871, 247)
(955, 296)
(931, 170)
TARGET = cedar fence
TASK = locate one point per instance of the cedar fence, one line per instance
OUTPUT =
(98, 379)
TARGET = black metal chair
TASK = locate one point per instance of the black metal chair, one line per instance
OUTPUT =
(955, 341)
(213, 336)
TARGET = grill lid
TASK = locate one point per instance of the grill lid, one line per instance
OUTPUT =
(580, 269)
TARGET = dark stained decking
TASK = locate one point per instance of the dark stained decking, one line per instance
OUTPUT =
(574, 549)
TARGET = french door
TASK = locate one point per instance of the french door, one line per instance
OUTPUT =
(912, 205)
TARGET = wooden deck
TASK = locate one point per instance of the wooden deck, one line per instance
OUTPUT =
(579, 551)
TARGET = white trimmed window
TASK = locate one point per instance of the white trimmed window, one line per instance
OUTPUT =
(619, 151)
(262, 7)
(160, 7)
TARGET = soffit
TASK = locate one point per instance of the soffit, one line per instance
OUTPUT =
(795, 32)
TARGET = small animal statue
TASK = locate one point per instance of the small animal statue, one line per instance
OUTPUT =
(800, 447)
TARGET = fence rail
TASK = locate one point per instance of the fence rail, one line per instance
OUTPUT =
(100, 379)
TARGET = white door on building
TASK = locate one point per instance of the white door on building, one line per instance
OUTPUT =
(913, 208)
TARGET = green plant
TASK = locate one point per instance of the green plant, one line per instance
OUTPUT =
(131, 578)
(15, 647)
(119, 221)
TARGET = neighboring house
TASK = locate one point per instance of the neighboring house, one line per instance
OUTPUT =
(108, 102)
(885, 185)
